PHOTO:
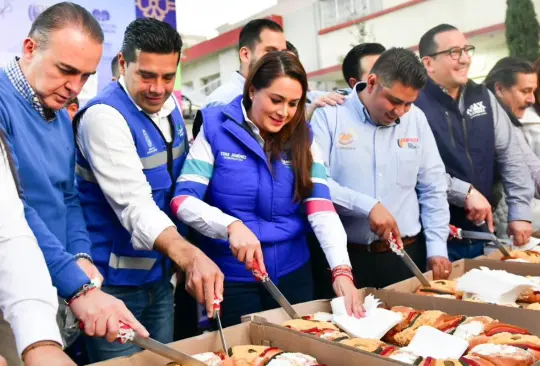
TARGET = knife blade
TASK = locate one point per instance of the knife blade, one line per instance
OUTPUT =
(485, 234)
(494, 238)
(126, 334)
(217, 309)
(274, 291)
(408, 261)
(166, 351)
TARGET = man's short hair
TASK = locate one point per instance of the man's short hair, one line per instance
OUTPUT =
(427, 45)
(505, 72)
(400, 65)
(152, 36)
(250, 34)
(291, 48)
(351, 67)
(63, 15)
(115, 69)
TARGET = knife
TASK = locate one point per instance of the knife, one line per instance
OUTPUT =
(273, 290)
(126, 334)
(485, 234)
(408, 261)
(217, 309)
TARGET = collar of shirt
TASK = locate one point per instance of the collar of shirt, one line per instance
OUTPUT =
(252, 126)
(238, 79)
(363, 113)
(168, 107)
(20, 83)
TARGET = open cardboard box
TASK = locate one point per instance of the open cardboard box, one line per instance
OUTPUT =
(515, 316)
(258, 333)
(519, 317)
(459, 268)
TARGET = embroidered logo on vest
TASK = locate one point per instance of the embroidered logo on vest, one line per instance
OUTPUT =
(476, 110)
(231, 156)
(151, 148)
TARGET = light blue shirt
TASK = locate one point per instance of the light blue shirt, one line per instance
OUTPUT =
(225, 93)
(397, 165)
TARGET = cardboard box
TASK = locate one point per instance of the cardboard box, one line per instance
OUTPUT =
(515, 316)
(519, 317)
(459, 268)
(259, 333)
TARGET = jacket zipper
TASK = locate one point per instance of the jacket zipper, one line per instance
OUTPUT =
(449, 121)
(467, 152)
(169, 169)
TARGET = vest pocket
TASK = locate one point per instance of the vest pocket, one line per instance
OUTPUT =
(407, 171)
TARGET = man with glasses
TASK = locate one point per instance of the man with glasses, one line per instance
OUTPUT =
(386, 177)
(475, 139)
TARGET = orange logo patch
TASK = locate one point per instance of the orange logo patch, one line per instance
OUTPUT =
(408, 142)
(345, 138)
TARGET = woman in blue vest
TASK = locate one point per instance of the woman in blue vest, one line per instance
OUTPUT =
(253, 181)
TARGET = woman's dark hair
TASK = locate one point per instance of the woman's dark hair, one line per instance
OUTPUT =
(4, 150)
(295, 134)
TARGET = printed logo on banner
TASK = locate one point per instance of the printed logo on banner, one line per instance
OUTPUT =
(164, 10)
(36, 8)
(103, 17)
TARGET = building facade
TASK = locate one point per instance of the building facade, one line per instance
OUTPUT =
(323, 31)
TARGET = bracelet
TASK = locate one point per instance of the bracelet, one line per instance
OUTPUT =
(342, 271)
(82, 291)
(39, 344)
(84, 256)
(471, 188)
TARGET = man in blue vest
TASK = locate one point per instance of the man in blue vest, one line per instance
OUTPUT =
(475, 139)
(132, 143)
(34, 89)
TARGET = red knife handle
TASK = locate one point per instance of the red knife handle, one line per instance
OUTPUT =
(258, 273)
(217, 305)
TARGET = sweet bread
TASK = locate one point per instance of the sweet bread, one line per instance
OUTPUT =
(307, 326)
(440, 288)
(530, 256)
(368, 345)
(499, 354)
(409, 326)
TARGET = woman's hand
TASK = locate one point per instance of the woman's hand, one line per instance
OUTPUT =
(344, 286)
(245, 246)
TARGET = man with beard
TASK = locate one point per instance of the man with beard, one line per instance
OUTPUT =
(475, 139)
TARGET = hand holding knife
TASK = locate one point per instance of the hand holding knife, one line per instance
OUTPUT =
(400, 251)
(273, 290)
(485, 234)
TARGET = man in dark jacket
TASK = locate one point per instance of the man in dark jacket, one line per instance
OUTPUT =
(475, 139)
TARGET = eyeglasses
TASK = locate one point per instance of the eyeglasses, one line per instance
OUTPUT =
(456, 52)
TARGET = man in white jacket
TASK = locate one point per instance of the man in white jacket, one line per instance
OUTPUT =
(27, 299)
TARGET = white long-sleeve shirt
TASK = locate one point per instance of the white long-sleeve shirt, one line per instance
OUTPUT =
(27, 297)
(213, 222)
(106, 142)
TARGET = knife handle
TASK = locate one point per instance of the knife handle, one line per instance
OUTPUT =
(258, 273)
(216, 306)
(125, 333)
(394, 246)
(455, 232)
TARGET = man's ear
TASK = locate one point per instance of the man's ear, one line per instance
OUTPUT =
(352, 82)
(371, 82)
(122, 64)
(245, 55)
(498, 90)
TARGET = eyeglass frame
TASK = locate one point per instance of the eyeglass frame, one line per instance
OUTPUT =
(466, 49)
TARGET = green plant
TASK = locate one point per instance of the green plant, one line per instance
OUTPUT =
(522, 36)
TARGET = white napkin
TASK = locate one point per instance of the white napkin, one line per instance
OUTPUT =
(374, 325)
(431, 342)
(531, 245)
(494, 286)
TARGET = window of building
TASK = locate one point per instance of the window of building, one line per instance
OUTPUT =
(211, 83)
(338, 11)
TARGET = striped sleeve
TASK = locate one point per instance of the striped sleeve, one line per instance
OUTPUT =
(323, 217)
(188, 204)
